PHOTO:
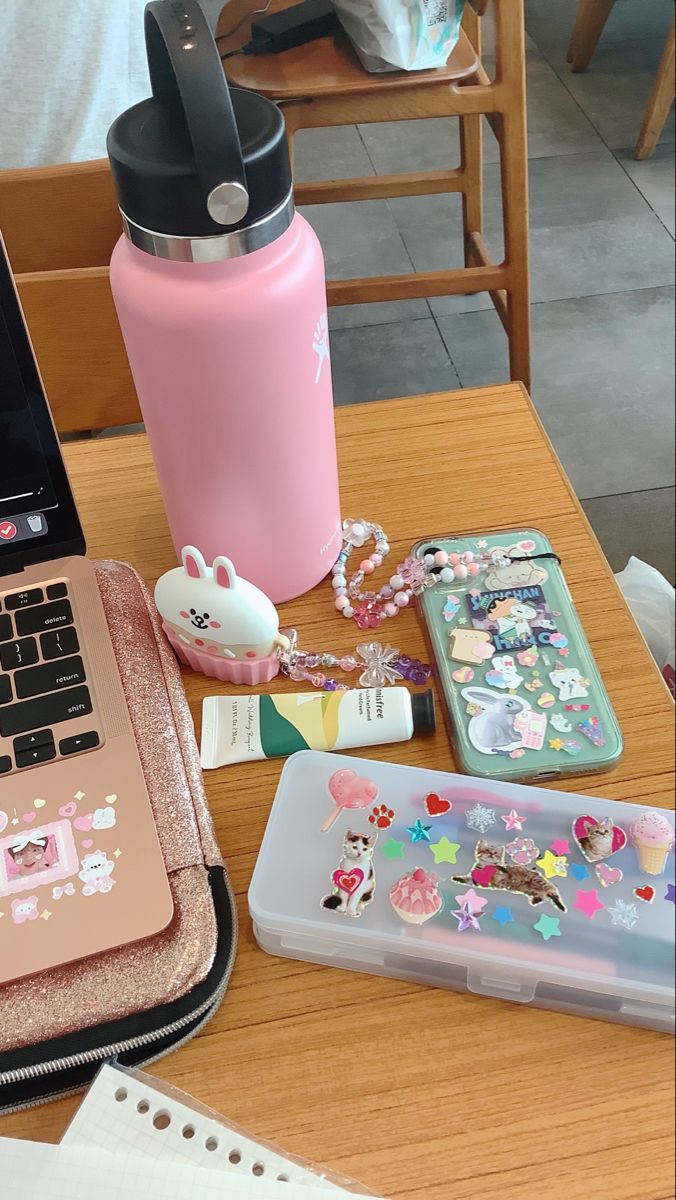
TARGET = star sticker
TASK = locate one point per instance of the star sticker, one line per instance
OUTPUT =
(556, 744)
(671, 893)
(419, 832)
(15, 820)
(560, 846)
(513, 820)
(553, 864)
(579, 872)
(503, 916)
(79, 796)
(588, 903)
(623, 914)
(45, 914)
(117, 853)
(393, 849)
(444, 851)
(549, 927)
(481, 544)
(467, 920)
(470, 902)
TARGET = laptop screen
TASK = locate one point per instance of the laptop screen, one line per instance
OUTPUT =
(38, 518)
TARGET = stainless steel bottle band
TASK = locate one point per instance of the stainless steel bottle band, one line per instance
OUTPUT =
(217, 248)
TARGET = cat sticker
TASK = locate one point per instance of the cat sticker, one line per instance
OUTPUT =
(492, 871)
(354, 880)
(598, 839)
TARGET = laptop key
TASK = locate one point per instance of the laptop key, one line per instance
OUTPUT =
(83, 741)
(5, 689)
(45, 710)
(56, 591)
(48, 677)
(24, 599)
(32, 758)
(6, 764)
(6, 630)
(44, 617)
(28, 741)
(59, 643)
(22, 653)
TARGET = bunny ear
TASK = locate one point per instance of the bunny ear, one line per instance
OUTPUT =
(224, 573)
(479, 695)
(193, 562)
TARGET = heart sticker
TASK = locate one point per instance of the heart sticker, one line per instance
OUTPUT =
(348, 881)
(463, 675)
(29, 817)
(598, 839)
(483, 876)
(39, 803)
(608, 875)
(88, 844)
(84, 824)
(4, 821)
(646, 893)
(110, 799)
(436, 806)
(68, 810)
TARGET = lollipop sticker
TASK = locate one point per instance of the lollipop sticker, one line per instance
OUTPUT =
(349, 790)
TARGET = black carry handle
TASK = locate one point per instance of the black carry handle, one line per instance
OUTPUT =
(186, 75)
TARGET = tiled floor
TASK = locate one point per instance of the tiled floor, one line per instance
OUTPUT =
(602, 266)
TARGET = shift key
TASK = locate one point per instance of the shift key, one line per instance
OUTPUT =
(44, 711)
(43, 617)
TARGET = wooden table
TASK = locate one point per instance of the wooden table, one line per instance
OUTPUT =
(414, 1091)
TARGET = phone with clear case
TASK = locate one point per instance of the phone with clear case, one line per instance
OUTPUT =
(522, 690)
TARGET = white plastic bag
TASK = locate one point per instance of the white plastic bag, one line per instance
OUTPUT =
(406, 35)
(651, 599)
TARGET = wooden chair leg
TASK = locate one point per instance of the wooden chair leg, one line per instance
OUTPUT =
(514, 165)
(661, 99)
(589, 25)
(471, 162)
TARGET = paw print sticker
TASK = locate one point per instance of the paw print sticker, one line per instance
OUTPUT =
(381, 816)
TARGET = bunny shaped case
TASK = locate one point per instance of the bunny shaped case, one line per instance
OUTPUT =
(218, 623)
(522, 690)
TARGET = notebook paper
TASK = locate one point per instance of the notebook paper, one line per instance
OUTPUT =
(35, 1171)
(126, 1112)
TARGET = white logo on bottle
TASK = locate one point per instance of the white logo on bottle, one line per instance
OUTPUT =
(320, 345)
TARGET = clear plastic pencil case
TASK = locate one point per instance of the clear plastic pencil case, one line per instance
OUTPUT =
(521, 688)
(558, 900)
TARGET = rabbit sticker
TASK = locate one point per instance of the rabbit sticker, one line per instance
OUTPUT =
(495, 729)
(209, 613)
(505, 573)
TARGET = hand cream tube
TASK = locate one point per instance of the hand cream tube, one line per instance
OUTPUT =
(248, 728)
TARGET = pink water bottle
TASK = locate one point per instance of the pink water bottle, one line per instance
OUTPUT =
(221, 296)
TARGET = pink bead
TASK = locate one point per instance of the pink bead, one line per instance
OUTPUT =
(348, 663)
(348, 612)
(390, 609)
(441, 558)
(386, 591)
(342, 603)
(454, 559)
(401, 599)
(376, 559)
(341, 591)
(469, 556)
(473, 568)
(367, 566)
(461, 571)
(396, 582)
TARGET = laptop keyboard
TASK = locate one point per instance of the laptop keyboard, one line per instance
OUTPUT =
(43, 681)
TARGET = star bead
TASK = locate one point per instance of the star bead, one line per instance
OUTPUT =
(419, 832)
(623, 914)
(467, 920)
(553, 865)
(671, 893)
(503, 916)
(513, 820)
(444, 851)
(588, 903)
(393, 849)
(560, 846)
(549, 927)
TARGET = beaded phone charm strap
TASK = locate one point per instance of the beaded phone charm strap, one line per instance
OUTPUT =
(413, 575)
(380, 665)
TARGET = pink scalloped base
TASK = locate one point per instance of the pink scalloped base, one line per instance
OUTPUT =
(230, 670)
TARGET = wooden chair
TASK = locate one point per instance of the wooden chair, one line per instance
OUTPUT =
(323, 84)
(589, 25)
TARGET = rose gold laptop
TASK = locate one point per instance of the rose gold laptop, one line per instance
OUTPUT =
(81, 868)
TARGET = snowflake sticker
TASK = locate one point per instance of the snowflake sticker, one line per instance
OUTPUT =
(623, 914)
(480, 818)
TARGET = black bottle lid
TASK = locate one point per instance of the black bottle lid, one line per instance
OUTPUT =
(197, 159)
(424, 713)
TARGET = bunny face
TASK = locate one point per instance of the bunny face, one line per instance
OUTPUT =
(212, 610)
(505, 574)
